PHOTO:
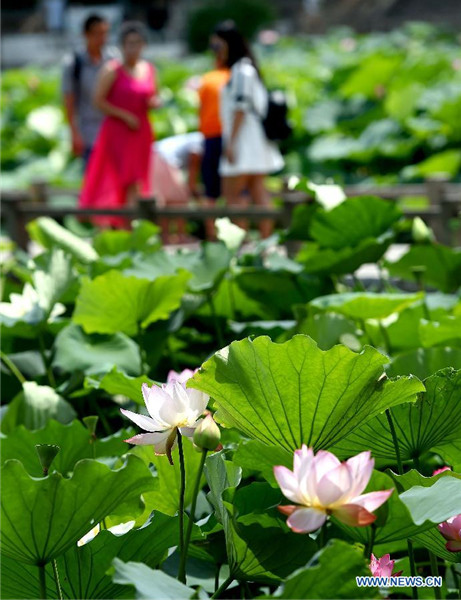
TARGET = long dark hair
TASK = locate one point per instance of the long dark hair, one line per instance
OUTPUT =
(237, 45)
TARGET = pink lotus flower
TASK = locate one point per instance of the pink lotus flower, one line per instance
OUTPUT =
(382, 567)
(451, 531)
(171, 407)
(182, 377)
(441, 470)
(321, 485)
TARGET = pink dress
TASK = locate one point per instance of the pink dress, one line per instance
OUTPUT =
(121, 156)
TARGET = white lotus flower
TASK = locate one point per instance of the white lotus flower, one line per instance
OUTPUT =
(27, 307)
(171, 407)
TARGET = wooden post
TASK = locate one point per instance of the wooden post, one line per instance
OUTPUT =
(39, 191)
(436, 188)
(15, 220)
(147, 209)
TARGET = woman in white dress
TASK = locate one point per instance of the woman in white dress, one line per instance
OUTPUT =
(248, 155)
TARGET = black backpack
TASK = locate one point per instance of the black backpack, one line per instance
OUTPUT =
(275, 123)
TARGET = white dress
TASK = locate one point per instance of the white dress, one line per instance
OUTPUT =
(254, 153)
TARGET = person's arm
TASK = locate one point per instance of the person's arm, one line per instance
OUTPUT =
(105, 81)
(70, 112)
(70, 102)
(241, 90)
(229, 152)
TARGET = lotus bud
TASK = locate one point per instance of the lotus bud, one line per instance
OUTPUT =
(46, 454)
(207, 434)
(91, 423)
(420, 231)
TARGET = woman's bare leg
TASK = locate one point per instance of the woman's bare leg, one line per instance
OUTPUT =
(233, 188)
(260, 196)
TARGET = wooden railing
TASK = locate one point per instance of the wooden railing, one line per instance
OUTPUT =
(444, 205)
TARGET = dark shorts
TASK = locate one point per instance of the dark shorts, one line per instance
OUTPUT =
(210, 167)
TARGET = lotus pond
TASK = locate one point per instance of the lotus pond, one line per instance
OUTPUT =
(230, 421)
(381, 107)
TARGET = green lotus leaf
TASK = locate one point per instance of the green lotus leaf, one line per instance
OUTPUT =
(434, 420)
(77, 351)
(74, 441)
(118, 382)
(364, 305)
(114, 303)
(442, 266)
(82, 570)
(330, 573)
(294, 393)
(41, 518)
(34, 406)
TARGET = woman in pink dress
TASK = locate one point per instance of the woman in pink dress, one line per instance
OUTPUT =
(119, 166)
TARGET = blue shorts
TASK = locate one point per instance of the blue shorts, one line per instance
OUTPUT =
(210, 167)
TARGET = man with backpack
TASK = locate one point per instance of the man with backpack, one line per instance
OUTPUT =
(80, 73)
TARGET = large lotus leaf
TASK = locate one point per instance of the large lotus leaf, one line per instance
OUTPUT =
(446, 330)
(260, 547)
(433, 420)
(451, 454)
(50, 234)
(82, 570)
(43, 517)
(280, 290)
(52, 284)
(352, 221)
(231, 302)
(442, 266)
(274, 329)
(374, 71)
(143, 238)
(423, 362)
(330, 573)
(74, 441)
(294, 393)
(117, 382)
(430, 499)
(114, 303)
(394, 521)
(364, 305)
(207, 266)
(76, 350)
(325, 261)
(165, 497)
(327, 329)
(150, 584)
(256, 456)
(433, 540)
(34, 406)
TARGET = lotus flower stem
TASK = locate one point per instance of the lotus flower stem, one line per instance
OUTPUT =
(215, 321)
(456, 579)
(395, 441)
(182, 490)
(371, 543)
(411, 556)
(435, 572)
(183, 559)
(223, 587)
(56, 579)
(13, 368)
(216, 576)
(42, 581)
(49, 370)
(322, 536)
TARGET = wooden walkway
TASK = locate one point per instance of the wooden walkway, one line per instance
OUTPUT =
(444, 205)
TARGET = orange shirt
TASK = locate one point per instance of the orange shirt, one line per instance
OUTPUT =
(209, 93)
